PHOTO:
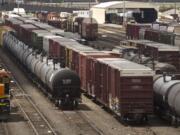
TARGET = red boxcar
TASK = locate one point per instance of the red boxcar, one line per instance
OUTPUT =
(85, 69)
(123, 86)
(62, 44)
(89, 29)
(25, 33)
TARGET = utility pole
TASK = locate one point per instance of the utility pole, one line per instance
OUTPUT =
(124, 18)
(18, 6)
(89, 4)
(175, 8)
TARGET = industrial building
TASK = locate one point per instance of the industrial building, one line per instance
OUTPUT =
(99, 11)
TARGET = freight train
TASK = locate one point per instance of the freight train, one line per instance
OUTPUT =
(104, 76)
(86, 27)
(62, 83)
(92, 66)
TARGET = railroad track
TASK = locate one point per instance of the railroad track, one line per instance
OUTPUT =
(82, 123)
(113, 29)
(3, 128)
(37, 121)
(35, 118)
(111, 35)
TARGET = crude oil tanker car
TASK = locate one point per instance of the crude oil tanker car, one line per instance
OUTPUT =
(62, 83)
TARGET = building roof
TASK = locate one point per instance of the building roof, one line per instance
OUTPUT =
(120, 4)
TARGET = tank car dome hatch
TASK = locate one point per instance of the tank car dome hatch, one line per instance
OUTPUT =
(158, 83)
(64, 77)
(145, 60)
(165, 67)
(129, 55)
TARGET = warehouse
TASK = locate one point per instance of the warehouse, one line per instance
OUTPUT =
(100, 11)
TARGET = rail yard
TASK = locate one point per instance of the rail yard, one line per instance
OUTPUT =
(95, 70)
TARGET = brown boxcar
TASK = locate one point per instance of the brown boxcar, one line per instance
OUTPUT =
(85, 70)
(73, 53)
(132, 30)
(61, 42)
(14, 23)
(25, 33)
(153, 35)
(124, 86)
(89, 29)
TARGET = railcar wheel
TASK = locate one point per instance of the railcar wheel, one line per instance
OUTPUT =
(144, 119)
(75, 103)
